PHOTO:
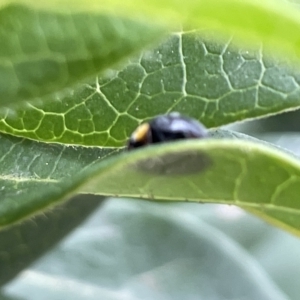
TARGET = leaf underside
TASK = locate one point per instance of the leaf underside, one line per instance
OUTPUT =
(190, 73)
(45, 52)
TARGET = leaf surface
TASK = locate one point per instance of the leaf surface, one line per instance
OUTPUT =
(44, 52)
(30, 173)
(249, 174)
(212, 82)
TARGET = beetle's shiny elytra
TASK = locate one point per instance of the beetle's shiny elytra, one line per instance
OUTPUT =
(164, 128)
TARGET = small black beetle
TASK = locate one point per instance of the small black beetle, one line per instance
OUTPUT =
(164, 128)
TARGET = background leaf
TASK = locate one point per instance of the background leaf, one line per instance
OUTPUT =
(267, 244)
(25, 242)
(212, 82)
(44, 52)
(273, 22)
(142, 250)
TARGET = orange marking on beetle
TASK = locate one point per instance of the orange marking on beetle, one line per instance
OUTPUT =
(140, 134)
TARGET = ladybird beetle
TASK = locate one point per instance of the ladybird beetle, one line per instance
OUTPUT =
(164, 128)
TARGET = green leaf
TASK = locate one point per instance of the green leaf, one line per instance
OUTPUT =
(125, 250)
(263, 180)
(25, 242)
(212, 82)
(30, 170)
(249, 174)
(44, 52)
(29, 178)
(30, 174)
(273, 22)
